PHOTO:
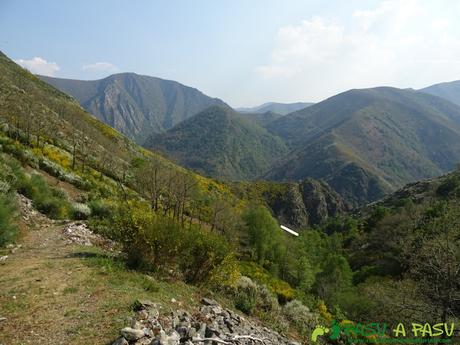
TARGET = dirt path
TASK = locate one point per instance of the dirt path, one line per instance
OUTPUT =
(35, 283)
(53, 292)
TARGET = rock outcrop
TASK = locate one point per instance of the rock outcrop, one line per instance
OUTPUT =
(306, 203)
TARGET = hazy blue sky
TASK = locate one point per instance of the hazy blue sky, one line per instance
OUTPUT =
(245, 52)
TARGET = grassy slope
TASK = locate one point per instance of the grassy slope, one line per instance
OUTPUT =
(220, 143)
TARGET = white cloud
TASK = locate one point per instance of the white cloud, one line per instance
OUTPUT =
(101, 67)
(39, 65)
(399, 43)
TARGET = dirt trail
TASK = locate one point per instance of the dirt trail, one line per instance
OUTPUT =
(40, 288)
(56, 292)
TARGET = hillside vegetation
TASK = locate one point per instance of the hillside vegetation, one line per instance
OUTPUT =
(175, 233)
(169, 224)
(365, 143)
(220, 143)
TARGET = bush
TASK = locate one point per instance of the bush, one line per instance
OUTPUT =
(101, 209)
(266, 300)
(300, 317)
(280, 288)
(202, 252)
(80, 211)
(245, 298)
(47, 200)
(157, 243)
(8, 229)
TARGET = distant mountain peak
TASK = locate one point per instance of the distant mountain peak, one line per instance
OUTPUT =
(136, 105)
(447, 90)
(278, 108)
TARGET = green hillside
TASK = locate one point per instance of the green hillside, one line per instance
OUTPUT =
(262, 119)
(365, 143)
(136, 105)
(220, 143)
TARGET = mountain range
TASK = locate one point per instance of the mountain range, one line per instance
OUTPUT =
(279, 108)
(363, 143)
(136, 105)
(367, 142)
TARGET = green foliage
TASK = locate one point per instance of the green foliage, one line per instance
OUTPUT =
(47, 200)
(101, 208)
(219, 142)
(156, 243)
(8, 228)
(245, 297)
(335, 278)
(450, 186)
(300, 317)
(280, 288)
(378, 213)
(263, 234)
(80, 211)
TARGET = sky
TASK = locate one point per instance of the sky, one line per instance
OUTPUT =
(245, 52)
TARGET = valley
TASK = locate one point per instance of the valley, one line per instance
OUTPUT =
(138, 210)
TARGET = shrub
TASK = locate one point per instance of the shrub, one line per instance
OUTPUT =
(282, 289)
(100, 208)
(202, 253)
(266, 300)
(80, 211)
(47, 200)
(300, 317)
(245, 298)
(158, 243)
(8, 229)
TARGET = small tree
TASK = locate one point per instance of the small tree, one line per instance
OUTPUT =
(263, 233)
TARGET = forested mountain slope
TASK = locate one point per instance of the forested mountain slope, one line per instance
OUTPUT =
(367, 142)
(136, 105)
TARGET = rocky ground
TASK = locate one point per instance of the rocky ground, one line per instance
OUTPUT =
(210, 324)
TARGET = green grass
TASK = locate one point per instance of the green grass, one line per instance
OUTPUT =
(8, 227)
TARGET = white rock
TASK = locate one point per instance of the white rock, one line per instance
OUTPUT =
(132, 334)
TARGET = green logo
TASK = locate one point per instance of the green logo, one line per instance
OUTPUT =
(321, 330)
(318, 331)
(376, 332)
